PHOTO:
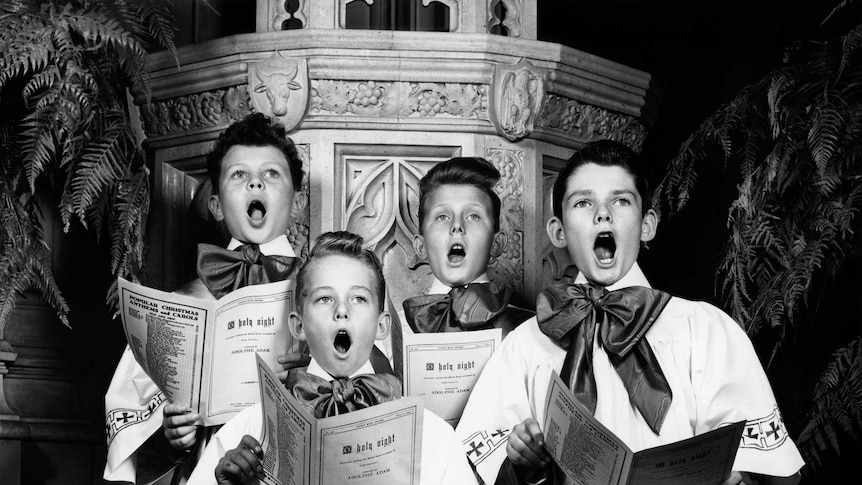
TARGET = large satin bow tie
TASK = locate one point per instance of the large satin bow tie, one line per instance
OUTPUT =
(223, 271)
(569, 314)
(341, 396)
(468, 307)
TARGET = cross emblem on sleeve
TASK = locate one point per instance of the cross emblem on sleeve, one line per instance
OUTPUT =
(751, 434)
(475, 447)
(775, 430)
(125, 417)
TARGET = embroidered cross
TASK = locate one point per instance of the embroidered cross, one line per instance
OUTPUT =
(775, 430)
(474, 448)
(500, 432)
(125, 417)
(751, 434)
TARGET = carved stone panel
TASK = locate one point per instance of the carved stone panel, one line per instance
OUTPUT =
(298, 231)
(507, 262)
(590, 122)
(203, 110)
(518, 91)
(279, 87)
(379, 198)
(398, 99)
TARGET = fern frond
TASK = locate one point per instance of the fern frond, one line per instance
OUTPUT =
(100, 166)
(826, 126)
(38, 144)
(837, 411)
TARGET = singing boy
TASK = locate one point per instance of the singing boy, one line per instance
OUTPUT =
(340, 313)
(459, 220)
(255, 173)
(654, 369)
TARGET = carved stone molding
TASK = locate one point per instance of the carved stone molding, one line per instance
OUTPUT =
(507, 251)
(517, 94)
(589, 122)
(202, 110)
(399, 99)
(279, 87)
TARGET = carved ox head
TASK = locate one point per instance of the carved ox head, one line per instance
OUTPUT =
(277, 87)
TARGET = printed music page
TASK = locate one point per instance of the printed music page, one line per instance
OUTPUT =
(201, 353)
(589, 453)
(165, 332)
(287, 435)
(444, 367)
(379, 444)
(250, 320)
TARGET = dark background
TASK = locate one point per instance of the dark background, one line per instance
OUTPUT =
(700, 54)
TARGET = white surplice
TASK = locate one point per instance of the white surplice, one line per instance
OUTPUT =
(710, 364)
(442, 463)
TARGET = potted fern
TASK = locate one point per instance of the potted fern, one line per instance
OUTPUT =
(791, 270)
(67, 142)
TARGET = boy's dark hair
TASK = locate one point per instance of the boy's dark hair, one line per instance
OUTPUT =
(257, 130)
(345, 244)
(474, 171)
(607, 153)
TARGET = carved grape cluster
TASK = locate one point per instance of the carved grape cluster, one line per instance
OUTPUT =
(367, 94)
(183, 115)
(431, 103)
(512, 250)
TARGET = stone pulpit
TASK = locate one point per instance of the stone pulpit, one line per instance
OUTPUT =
(373, 93)
(372, 110)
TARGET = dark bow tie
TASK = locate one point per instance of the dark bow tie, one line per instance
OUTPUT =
(223, 271)
(569, 314)
(468, 307)
(341, 396)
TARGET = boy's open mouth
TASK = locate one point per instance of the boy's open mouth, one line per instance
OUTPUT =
(605, 247)
(456, 253)
(256, 209)
(342, 341)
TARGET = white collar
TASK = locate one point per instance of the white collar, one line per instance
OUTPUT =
(438, 288)
(316, 370)
(279, 246)
(635, 277)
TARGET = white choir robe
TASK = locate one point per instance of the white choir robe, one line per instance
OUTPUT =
(709, 362)
(134, 405)
(442, 463)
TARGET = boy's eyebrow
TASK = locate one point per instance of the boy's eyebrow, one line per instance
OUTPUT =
(325, 287)
(590, 192)
(579, 193)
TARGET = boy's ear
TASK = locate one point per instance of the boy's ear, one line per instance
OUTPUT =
(294, 322)
(649, 227)
(384, 324)
(419, 246)
(497, 245)
(557, 235)
(214, 205)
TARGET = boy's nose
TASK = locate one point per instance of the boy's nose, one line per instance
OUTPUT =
(341, 312)
(255, 183)
(456, 226)
(603, 214)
